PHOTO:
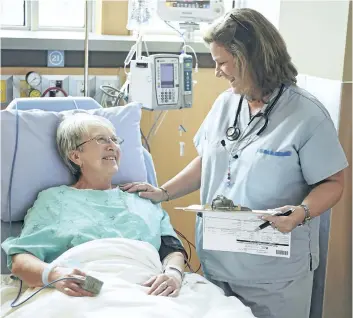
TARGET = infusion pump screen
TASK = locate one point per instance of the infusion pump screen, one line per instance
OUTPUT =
(167, 75)
(201, 4)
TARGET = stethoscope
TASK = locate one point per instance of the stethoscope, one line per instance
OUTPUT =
(233, 133)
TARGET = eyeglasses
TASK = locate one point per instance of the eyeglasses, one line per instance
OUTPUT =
(238, 21)
(102, 140)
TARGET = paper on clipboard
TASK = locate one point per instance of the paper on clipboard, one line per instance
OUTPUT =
(233, 231)
(206, 208)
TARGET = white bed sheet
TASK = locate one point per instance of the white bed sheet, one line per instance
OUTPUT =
(124, 265)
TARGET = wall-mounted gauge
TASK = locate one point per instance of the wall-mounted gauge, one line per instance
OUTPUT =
(34, 93)
(33, 79)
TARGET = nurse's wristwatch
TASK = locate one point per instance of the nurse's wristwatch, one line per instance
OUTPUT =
(166, 193)
(307, 216)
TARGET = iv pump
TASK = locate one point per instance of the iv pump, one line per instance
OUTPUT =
(162, 81)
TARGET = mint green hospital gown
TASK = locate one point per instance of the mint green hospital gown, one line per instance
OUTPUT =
(63, 217)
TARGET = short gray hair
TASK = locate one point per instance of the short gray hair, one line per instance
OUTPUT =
(260, 52)
(70, 132)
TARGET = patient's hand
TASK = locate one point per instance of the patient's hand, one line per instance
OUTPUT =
(164, 285)
(69, 287)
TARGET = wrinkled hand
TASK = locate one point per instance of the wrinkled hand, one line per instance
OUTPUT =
(286, 224)
(145, 190)
(164, 285)
(70, 287)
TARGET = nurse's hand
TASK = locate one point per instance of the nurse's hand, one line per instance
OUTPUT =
(286, 224)
(145, 190)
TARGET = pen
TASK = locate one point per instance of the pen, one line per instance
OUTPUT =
(267, 223)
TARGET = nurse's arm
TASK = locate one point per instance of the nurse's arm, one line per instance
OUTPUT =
(28, 268)
(324, 196)
(186, 181)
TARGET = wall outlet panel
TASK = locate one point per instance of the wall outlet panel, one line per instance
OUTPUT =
(50, 81)
(76, 85)
(73, 85)
(112, 81)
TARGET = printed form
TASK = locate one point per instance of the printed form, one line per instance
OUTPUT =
(234, 232)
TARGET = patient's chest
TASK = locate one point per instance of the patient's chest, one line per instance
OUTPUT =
(86, 215)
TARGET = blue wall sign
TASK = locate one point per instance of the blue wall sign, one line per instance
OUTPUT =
(56, 58)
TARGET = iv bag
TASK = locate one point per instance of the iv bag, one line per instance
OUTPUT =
(140, 14)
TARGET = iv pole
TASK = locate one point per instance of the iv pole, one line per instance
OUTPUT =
(85, 85)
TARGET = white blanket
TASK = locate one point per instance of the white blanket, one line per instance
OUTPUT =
(124, 265)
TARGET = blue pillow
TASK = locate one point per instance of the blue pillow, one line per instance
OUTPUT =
(53, 104)
(38, 164)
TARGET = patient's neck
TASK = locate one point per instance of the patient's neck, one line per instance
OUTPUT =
(94, 182)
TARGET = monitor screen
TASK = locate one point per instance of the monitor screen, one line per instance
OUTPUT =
(199, 4)
(167, 75)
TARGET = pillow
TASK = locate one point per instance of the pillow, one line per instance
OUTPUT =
(38, 165)
(53, 104)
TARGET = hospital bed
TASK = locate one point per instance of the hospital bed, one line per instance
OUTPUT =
(30, 163)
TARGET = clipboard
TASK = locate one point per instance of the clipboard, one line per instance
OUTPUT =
(207, 208)
(232, 230)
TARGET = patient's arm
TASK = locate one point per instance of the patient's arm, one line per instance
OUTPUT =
(28, 268)
(169, 245)
(174, 259)
(168, 283)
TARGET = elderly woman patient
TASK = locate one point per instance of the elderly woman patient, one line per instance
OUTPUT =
(92, 208)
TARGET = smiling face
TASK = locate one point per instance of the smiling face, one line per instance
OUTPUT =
(225, 65)
(250, 53)
(99, 153)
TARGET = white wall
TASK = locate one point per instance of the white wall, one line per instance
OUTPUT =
(269, 8)
(327, 91)
(315, 33)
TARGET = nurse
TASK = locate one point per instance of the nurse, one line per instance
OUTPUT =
(265, 144)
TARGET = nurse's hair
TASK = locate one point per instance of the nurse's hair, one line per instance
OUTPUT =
(71, 131)
(260, 53)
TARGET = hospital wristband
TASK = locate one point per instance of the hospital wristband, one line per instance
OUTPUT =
(46, 272)
(174, 269)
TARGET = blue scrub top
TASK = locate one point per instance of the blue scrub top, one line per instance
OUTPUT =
(298, 149)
